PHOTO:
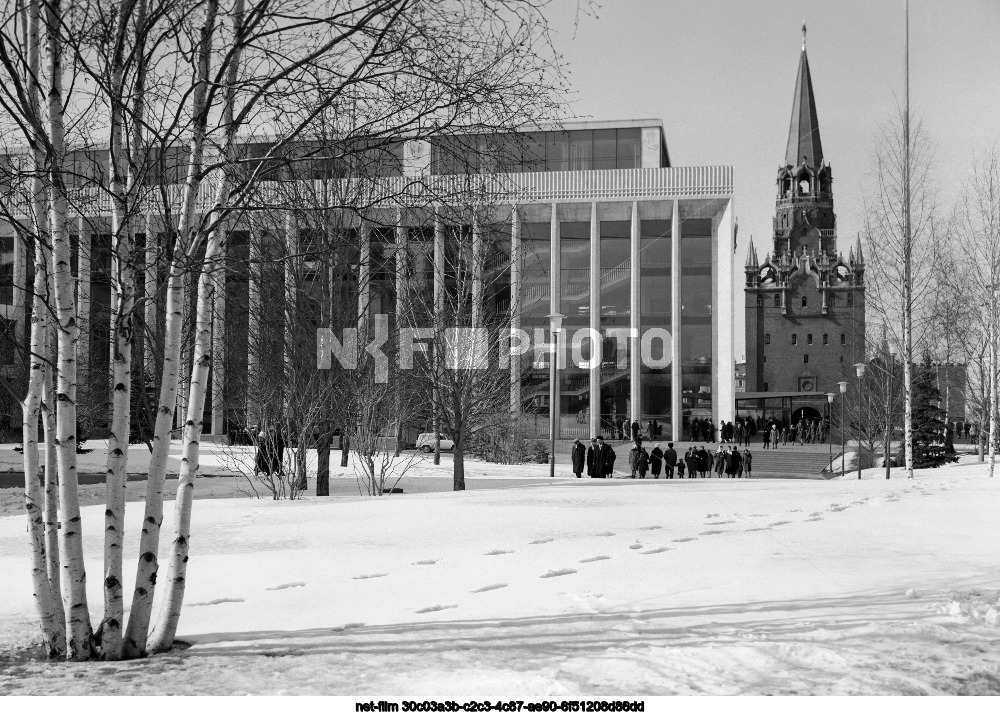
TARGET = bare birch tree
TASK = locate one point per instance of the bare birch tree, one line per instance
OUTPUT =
(899, 208)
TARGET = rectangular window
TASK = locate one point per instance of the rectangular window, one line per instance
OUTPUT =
(556, 151)
(826, 338)
(795, 339)
(7, 270)
(805, 358)
(843, 339)
(581, 150)
(605, 149)
(629, 149)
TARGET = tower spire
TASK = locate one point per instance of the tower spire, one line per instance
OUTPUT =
(804, 146)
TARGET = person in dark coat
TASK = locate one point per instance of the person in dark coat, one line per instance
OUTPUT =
(636, 429)
(590, 457)
(642, 462)
(604, 459)
(669, 461)
(691, 458)
(747, 462)
(680, 469)
(733, 468)
(633, 457)
(656, 461)
(720, 461)
(704, 462)
(270, 452)
(579, 455)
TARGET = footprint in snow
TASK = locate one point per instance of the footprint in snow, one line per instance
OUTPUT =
(815, 514)
(488, 588)
(710, 515)
(685, 539)
(757, 529)
(605, 534)
(436, 608)
(813, 519)
(779, 523)
(349, 625)
(652, 527)
(541, 541)
(635, 545)
(656, 550)
(838, 508)
(213, 602)
(598, 558)
(426, 561)
(289, 585)
(558, 573)
(495, 552)
(371, 576)
(711, 532)
(723, 522)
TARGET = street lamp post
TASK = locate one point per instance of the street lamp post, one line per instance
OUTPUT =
(829, 437)
(843, 391)
(555, 328)
(860, 368)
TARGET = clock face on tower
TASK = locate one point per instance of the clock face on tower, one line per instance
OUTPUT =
(807, 384)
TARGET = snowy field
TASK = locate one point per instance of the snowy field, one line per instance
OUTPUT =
(527, 587)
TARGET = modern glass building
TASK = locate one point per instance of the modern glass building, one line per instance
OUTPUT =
(593, 225)
(616, 243)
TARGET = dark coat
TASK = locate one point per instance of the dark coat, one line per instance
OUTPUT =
(656, 460)
(270, 454)
(604, 461)
(590, 460)
(747, 460)
(691, 458)
(733, 463)
(642, 461)
(579, 455)
(704, 460)
(670, 457)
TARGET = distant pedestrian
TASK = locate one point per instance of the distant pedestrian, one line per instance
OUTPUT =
(774, 436)
(747, 462)
(656, 461)
(669, 461)
(578, 454)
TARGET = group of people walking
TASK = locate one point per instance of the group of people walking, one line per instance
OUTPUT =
(599, 461)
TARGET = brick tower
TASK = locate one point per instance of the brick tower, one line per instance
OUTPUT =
(805, 304)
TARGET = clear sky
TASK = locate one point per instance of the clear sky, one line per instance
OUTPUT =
(720, 74)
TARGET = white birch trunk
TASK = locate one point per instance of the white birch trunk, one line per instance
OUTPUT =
(162, 638)
(122, 296)
(51, 476)
(79, 635)
(145, 583)
(166, 627)
(37, 500)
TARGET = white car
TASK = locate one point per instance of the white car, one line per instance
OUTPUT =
(425, 442)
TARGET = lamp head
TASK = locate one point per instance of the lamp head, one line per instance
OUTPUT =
(860, 368)
(829, 397)
(843, 386)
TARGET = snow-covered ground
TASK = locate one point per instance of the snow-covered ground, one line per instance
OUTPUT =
(527, 587)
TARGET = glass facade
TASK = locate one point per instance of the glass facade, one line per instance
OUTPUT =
(616, 296)
(697, 282)
(574, 292)
(536, 249)
(655, 282)
(573, 150)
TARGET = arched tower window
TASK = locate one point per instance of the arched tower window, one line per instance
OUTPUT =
(777, 300)
(805, 302)
(795, 339)
(804, 186)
